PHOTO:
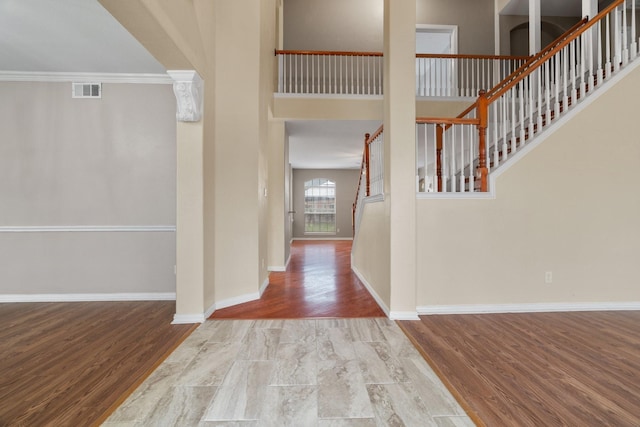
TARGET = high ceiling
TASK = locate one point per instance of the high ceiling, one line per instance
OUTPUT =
(81, 36)
(68, 36)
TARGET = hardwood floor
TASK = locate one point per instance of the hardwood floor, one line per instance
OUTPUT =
(542, 369)
(71, 364)
(318, 283)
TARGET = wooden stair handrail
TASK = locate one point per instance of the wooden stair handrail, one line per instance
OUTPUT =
(418, 55)
(535, 57)
(471, 56)
(520, 69)
(375, 134)
(555, 49)
(325, 52)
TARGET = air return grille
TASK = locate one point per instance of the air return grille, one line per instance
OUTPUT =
(86, 90)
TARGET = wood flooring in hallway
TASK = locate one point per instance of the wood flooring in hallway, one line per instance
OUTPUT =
(318, 283)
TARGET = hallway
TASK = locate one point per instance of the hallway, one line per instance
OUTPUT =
(318, 283)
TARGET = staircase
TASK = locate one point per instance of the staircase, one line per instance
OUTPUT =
(456, 155)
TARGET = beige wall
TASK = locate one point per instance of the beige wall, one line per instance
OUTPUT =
(474, 18)
(301, 108)
(87, 162)
(370, 252)
(357, 24)
(242, 92)
(346, 186)
(570, 206)
(278, 203)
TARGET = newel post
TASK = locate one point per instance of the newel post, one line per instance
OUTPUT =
(366, 162)
(483, 114)
(439, 134)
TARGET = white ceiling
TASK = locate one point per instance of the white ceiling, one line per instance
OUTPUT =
(328, 144)
(68, 36)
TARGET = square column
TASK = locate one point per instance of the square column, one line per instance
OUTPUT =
(400, 152)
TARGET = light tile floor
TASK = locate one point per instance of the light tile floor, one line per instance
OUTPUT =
(324, 373)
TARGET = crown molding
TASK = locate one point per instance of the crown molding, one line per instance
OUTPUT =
(31, 76)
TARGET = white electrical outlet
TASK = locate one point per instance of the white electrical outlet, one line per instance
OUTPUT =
(548, 277)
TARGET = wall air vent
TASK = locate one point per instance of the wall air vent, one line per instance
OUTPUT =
(86, 90)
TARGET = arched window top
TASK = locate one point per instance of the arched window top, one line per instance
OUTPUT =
(320, 206)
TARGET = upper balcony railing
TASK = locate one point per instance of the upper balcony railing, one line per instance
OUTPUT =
(360, 73)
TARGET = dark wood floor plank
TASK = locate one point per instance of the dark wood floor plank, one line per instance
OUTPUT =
(318, 283)
(71, 363)
(537, 369)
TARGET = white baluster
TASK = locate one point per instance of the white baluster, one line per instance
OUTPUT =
(574, 89)
(556, 105)
(583, 76)
(599, 41)
(462, 173)
(505, 107)
(608, 64)
(617, 40)
(450, 136)
(634, 39)
(590, 47)
(530, 83)
(565, 77)
(521, 113)
(625, 39)
(547, 93)
(514, 119)
(471, 145)
(495, 114)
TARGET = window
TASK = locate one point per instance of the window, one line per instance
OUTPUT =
(320, 206)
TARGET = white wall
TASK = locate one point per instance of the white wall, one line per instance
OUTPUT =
(86, 162)
(570, 206)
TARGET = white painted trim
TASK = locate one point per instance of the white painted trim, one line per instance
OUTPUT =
(404, 315)
(237, 300)
(465, 196)
(208, 312)
(279, 268)
(451, 29)
(374, 199)
(29, 76)
(181, 319)
(526, 308)
(322, 238)
(151, 296)
(367, 285)
(86, 228)
(263, 287)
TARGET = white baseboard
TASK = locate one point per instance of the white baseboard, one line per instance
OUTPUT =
(153, 296)
(278, 268)
(526, 308)
(199, 318)
(322, 238)
(373, 293)
(181, 319)
(404, 315)
(263, 287)
(237, 300)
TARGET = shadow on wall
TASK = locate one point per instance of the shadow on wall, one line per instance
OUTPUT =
(519, 37)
